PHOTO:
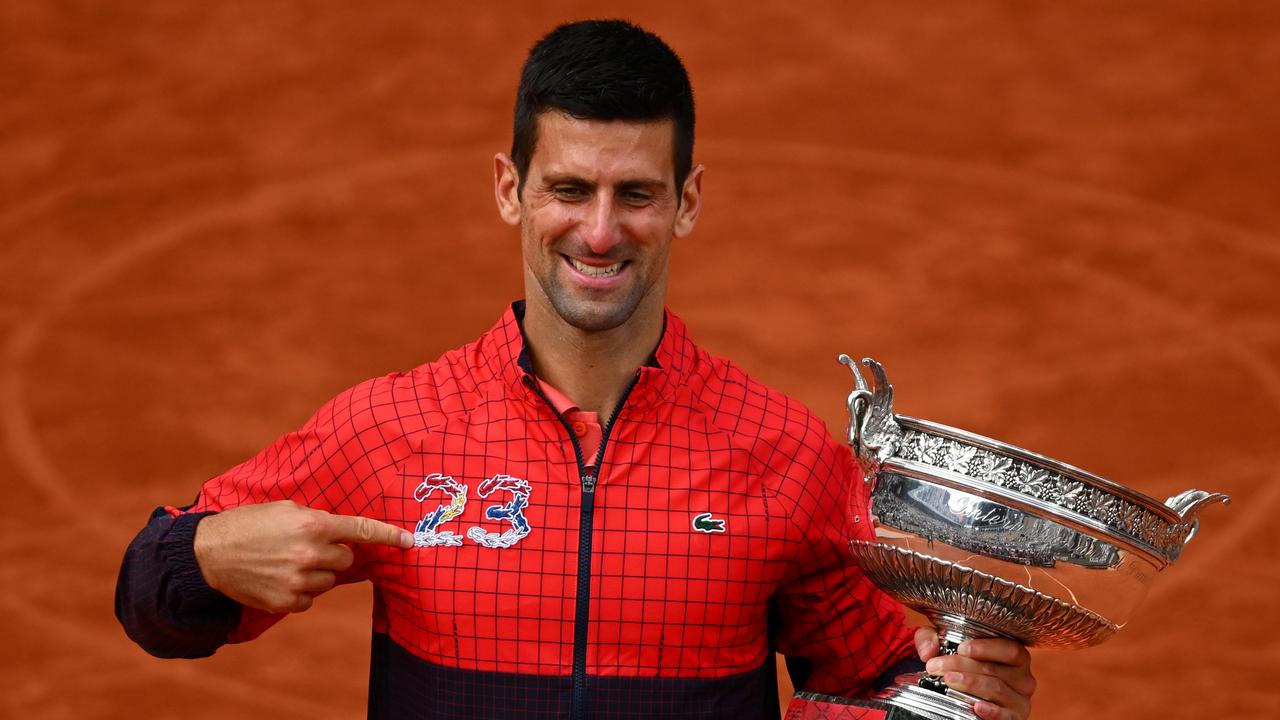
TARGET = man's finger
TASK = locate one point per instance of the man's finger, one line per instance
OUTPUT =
(991, 711)
(926, 641)
(333, 556)
(354, 529)
(301, 603)
(314, 582)
(997, 650)
(1018, 678)
(992, 690)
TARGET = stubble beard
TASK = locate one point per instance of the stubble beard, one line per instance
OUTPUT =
(590, 315)
(583, 313)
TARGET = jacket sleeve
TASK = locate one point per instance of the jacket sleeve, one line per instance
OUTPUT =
(841, 634)
(162, 599)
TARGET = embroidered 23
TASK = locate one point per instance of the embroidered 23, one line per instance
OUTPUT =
(512, 512)
(426, 533)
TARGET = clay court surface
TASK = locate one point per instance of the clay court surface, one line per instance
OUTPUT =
(1056, 227)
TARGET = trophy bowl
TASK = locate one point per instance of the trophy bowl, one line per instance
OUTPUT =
(989, 540)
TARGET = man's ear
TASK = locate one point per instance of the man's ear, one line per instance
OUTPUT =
(506, 188)
(690, 202)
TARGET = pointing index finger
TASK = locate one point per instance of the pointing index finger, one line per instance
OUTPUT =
(356, 529)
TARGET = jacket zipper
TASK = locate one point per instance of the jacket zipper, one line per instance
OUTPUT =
(586, 522)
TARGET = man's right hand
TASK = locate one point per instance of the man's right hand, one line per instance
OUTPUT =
(278, 556)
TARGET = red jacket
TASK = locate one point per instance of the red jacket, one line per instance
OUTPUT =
(657, 584)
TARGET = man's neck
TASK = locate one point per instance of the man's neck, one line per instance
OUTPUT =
(592, 369)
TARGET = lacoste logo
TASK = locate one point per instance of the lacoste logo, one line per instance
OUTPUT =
(705, 523)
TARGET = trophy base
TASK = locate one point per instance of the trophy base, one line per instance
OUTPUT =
(907, 694)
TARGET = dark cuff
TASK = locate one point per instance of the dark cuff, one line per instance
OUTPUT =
(909, 665)
(162, 599)
(192, 593)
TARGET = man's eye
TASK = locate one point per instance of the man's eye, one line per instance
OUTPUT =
(637, 198)
(566, 192)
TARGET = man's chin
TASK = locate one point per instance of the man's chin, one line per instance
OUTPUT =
(594, 316)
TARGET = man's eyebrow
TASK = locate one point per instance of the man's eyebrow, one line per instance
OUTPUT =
(566, 179)
(650, 184)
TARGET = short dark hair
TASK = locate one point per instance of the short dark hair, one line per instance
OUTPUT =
(603, 70)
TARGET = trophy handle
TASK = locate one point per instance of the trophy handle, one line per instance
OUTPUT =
(874, 432)
(858, 402)
(1189, 504)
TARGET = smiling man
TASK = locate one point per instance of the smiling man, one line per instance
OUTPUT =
(606, 520)
(598, 205)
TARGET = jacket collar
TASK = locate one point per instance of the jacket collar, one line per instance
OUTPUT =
(504, 350)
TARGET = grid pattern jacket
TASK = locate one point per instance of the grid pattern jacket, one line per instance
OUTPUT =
(657, 583)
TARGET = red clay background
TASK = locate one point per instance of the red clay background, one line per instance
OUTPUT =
(1055, 226)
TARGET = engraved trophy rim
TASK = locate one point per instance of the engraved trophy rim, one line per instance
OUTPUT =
(1085, 501)
(1064, 468)
(1024, 501)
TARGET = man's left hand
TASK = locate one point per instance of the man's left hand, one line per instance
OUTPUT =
(994, 669)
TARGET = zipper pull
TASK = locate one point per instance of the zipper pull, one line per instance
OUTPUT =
(589, 483)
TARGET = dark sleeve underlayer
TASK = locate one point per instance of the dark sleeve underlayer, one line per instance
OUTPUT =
(162, 599)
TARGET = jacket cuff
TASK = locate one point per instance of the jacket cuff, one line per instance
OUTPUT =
(909, 665)
(194, 594)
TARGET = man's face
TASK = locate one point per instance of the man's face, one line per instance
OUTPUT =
(597, 216)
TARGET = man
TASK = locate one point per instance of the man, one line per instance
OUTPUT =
(608, 522)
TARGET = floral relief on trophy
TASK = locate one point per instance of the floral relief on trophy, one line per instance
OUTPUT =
(996, 469)
(889, 437)
(1043, 484)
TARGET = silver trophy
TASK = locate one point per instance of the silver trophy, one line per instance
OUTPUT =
(990, 540)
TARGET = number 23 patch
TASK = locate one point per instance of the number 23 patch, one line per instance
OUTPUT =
(428, 534)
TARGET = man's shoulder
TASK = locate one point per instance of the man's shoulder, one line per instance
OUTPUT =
(748, 407)
(455, 381)
(790, 446)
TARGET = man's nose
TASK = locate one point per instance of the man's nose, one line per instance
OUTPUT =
(602, 227)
